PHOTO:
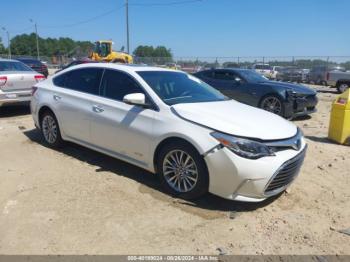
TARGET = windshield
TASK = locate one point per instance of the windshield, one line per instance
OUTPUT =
(13, 66)
(177, 87)
(252, 76)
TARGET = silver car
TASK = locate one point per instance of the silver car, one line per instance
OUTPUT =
(16, 81)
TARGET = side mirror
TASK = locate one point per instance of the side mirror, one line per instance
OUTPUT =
(237, 81)
(138, 99)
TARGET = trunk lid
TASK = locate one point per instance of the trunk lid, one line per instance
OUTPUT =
(18, 81)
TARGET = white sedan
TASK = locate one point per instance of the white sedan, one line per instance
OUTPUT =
(173, 124)
(16, 81)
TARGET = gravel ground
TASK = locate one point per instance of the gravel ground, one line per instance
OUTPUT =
(76, 201)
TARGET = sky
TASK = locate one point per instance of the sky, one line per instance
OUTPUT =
(190, 28)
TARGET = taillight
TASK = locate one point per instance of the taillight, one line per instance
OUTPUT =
(34, 88)
(39, 78)
(3, 80)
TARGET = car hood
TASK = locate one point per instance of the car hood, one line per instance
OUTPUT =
(238, 119)
(300, 89)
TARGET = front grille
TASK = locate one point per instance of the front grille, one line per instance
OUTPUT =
(286, 173)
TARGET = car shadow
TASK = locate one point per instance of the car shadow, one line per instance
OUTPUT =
(11, 111)
(121, 168)
(327, 90)
(302, 118)
(325, 140)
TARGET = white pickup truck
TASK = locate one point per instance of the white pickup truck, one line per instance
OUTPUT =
(263, 69)
(339, 79)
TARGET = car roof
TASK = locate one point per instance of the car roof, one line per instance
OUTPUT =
(8, 60)
(124, 67)
(231, 69)
(27, 59)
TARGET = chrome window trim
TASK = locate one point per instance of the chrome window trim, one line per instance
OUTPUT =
(293, 142)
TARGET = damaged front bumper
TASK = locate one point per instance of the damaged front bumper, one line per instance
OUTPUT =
(236, 178)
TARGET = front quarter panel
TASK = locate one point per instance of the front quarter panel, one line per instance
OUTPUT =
(168, 125)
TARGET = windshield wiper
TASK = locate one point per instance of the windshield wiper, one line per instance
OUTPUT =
(174, 98)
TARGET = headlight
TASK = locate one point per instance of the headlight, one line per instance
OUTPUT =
(243, 147)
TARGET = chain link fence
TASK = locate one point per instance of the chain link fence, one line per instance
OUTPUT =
(193, 64)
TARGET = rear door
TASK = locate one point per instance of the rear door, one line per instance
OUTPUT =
(72, 100)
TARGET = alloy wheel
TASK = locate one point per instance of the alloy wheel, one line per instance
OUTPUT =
(180, 171)
(272, 104)
(50, 129)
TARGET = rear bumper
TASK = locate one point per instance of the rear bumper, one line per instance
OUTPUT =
(15, 97)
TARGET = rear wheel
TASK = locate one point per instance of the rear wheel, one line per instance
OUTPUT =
(342, 87)
(182, 171)
(50, 130)
(272, 104)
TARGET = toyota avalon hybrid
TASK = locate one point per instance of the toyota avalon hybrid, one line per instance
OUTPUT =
(171, 123)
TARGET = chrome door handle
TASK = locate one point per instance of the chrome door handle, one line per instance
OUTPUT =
(56, 97)
(97, 109)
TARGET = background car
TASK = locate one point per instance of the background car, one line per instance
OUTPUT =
(290, 74)
(16, 81)
(275, 71)
(339, 79)
(247, 86)
(36, 65)
(263, 69)
(305, 75)
(318, 74)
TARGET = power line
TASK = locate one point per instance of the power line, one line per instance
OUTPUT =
(166, 4)
(87, 20)
(110, 12)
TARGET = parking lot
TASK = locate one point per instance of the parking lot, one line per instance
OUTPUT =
(76, 201)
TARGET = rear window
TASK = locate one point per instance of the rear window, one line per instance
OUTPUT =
(85, 80)
(13, 66)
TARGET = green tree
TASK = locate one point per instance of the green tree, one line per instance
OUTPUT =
(150, 55)
(144, 51)
(26, 45)
(2, 48)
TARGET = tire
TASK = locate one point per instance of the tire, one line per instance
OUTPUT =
(342, 87)
(266, 103)
(187, 183)
(50, 130)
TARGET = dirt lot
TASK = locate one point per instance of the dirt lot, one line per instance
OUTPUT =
(77, 201)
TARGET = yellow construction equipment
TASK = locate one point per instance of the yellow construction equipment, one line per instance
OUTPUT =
(103, 53)
(339, 126)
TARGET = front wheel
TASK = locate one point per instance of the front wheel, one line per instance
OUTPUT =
(342, 87)
(272, 104)
(182, 171)
(50, 130)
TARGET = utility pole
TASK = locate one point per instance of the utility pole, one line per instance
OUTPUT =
(8, 42)
(127, 26)
(37, 38)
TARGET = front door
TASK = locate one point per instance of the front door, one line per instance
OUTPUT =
(119, 128)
